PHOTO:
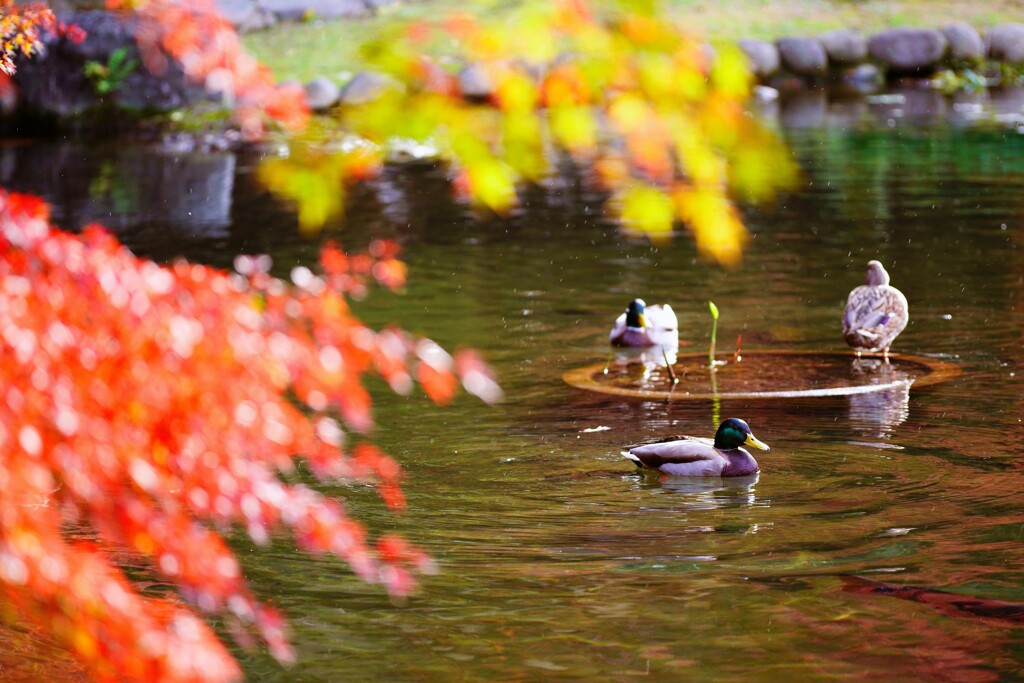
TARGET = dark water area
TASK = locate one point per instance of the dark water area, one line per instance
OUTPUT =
(884, 536)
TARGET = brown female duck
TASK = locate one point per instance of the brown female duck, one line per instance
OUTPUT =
(875, 313)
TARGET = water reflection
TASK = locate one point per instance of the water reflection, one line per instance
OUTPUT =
(897, 108)
(124, 188)
(876, 414)
(705, 493)
(952, 604)
(651, 357)
(552, 549)
(1008, 106)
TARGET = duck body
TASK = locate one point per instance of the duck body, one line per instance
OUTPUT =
(642, 325)
(690, 456)
(875, 313)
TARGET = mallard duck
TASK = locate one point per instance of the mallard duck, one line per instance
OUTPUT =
(875, 313)
(691, 456)
(643, 325)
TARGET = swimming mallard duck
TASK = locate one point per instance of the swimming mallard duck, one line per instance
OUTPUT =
(698, 457)
(643, 325)
(875, 313)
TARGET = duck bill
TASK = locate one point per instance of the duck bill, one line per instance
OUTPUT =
(753, 441)
(642, 320)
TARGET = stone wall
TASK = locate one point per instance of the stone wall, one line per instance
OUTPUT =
(844, 59)
(849, 56)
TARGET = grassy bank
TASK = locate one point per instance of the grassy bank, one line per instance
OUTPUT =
(736, 19)
(330, 48)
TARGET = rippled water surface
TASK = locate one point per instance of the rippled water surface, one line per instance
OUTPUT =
(883, 538)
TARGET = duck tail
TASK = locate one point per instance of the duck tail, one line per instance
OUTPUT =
(636, 460)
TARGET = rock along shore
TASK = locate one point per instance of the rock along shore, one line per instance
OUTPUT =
(954, 57)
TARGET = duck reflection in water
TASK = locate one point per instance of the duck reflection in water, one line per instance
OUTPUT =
(877, 414)
(707, 493)
(653, 358)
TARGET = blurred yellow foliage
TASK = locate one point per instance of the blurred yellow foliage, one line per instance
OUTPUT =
(492, 184)
(658, 115)
(314, 174)
(714, 221)
(647, 210)
(574, 128)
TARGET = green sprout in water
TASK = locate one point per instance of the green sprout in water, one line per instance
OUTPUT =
(716, 402)
(714, 330)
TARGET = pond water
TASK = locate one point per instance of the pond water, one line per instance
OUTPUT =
(884, 536)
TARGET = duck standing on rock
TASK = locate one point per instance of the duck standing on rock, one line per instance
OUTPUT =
(875, 313)
(691, 456)
(642, 325)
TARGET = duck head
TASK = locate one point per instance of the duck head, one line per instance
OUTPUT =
(635, 314)
(733, 433)
(876, 275)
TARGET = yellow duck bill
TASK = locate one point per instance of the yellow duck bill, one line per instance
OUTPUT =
(752, 440)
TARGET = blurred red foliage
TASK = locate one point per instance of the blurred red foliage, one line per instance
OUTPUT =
(145, 406)
(210, 51)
